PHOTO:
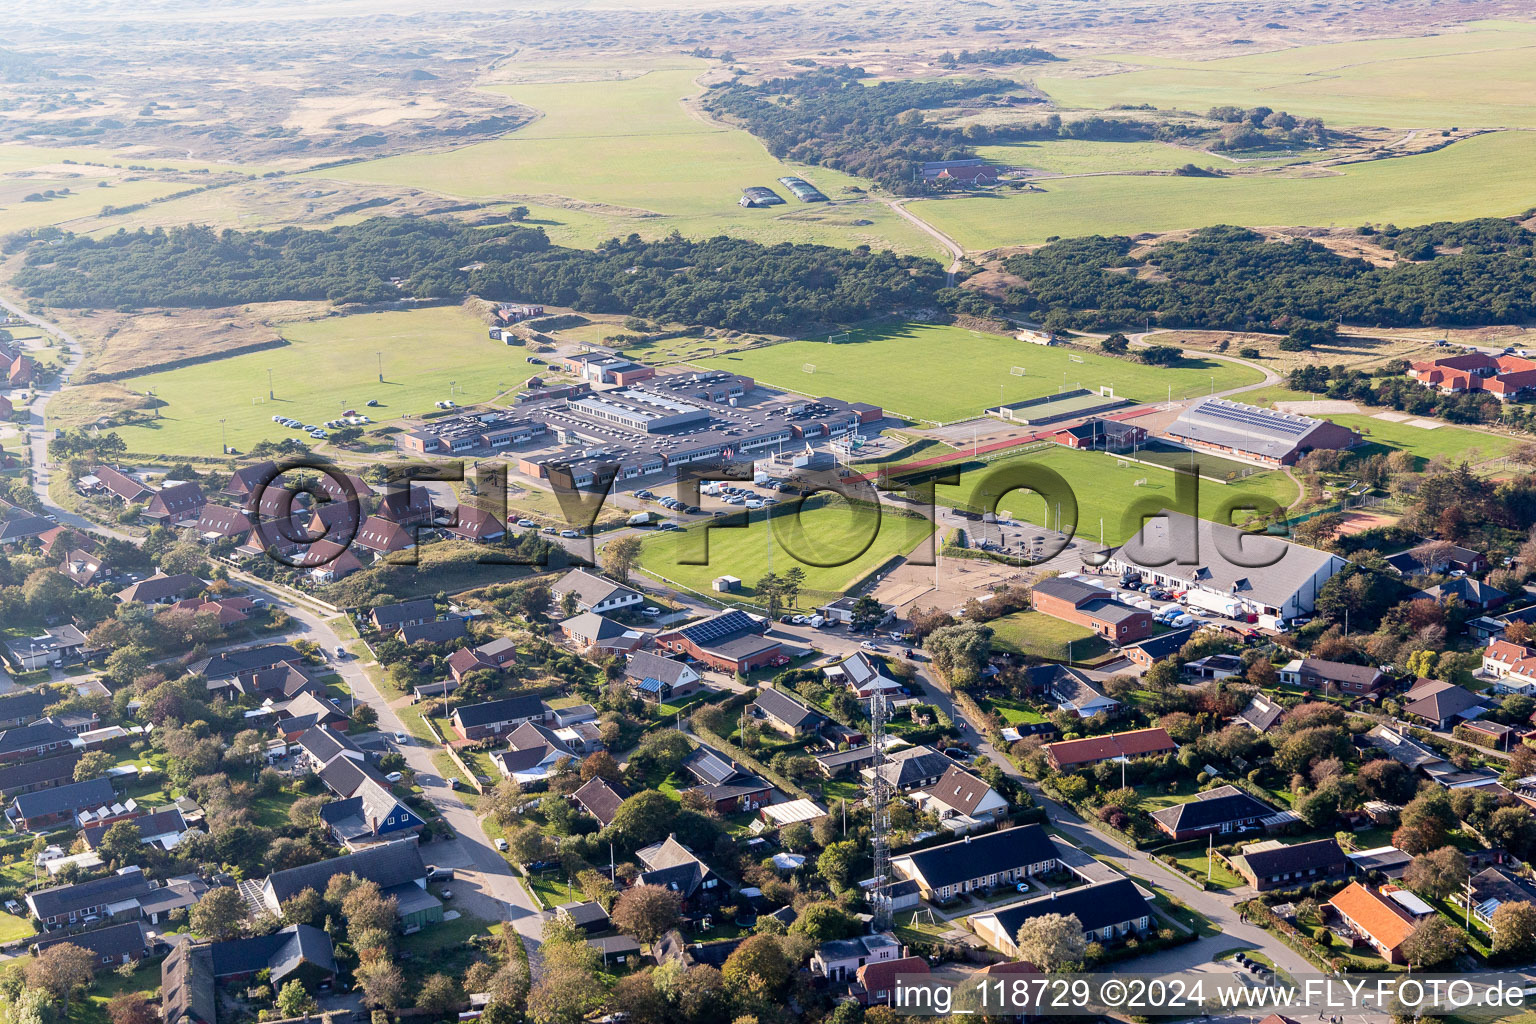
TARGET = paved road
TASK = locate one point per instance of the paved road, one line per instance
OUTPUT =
(955, 249)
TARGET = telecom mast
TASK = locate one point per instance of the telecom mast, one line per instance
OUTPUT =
(880, 815)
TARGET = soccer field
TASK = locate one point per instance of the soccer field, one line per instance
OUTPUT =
(1105, 491)
(943, 374)
(1486, 176)
(849, 539)
(331, 365)
(634, 159)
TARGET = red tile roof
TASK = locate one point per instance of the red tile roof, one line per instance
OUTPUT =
(1373, 915)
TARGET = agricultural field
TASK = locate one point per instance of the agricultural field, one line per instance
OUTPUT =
(852, 540)
(1107, 489)
(893, 367)
(1482, 76)
(1488, 175)
(330, 365)
(612, 157)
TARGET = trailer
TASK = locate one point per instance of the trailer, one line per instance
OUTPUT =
(1221, 604)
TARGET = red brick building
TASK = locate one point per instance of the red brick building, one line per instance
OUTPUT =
(1075, 601)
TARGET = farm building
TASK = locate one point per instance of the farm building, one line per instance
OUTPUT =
(1252, 434)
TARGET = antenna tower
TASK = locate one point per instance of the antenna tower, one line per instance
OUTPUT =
(880, 815)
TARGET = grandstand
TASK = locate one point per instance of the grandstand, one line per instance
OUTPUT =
(1257, 435)
(1054, 408)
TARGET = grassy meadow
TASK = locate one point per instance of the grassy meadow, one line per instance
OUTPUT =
(894, 367)
(331, 365)
(614, 156)
(1488, 175)
(1482, 76)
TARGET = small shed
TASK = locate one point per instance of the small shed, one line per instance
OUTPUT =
(727, 584)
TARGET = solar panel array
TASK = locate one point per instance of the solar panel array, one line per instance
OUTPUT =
(1249, 417)
(719, 628)
(710, 767)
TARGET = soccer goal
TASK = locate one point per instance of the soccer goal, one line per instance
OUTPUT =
(1075, 359)
(1018, 371)
(808, 367)
(1140, 483)
(1122, 463)
(836, 338)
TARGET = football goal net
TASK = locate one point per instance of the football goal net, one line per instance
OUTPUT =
(1075, 359)
(835, 338)
(1018, 371)
(808, 367)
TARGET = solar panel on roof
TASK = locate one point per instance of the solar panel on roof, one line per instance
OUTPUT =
(720, 626)
(711, 766)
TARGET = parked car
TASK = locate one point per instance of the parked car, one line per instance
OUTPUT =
(501, 844)
(650, 611)
(393, 777)
(570, 533)
(402, 739)
(527, 524)
(341, 653)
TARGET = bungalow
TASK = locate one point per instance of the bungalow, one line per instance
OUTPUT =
(1434, 557)
(175, 503)
(491, 656)
(912, 768)
(840, 959)
(839, 761)
(63, 906)
(731, 642)
(961, 801)
(864, 675)
(434, 633)
(1381, 923)
(84, 569)
(396, 867)
(476, 525)
(1332, 676)
(660, 679)
(162, 829)
(1261, 714)
(388, 618)
(594, 593)
(784, 714)
(533, 753)
(1073, 691)
(319, 747)
(724, 783)
(875, 982)
(31, 812)
(161, 589)
(229, 611)
(112, 946)
(1491, 889)
(1272, 865)
(116, 483)
(492, 718)
(600, 798)
(1468, 592)
(589, 630)
(42, 773)
(588, 917)
(1223, 809)
(230, 664)
(54, 646)
(674, 866)
(20, 707)
(1066, 755)
(34, 740)
(191, 974)
(1439, 704)
(1108, 911)
(980, 862)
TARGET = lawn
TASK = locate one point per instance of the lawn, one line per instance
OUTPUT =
(13, 928)
(1113, 497)
(894, 367)
(1012, 711)
(1196, 861)
(835, 544)
(1448, 442)
(1042, 636)
(628, 150)
(1080, 156)
(1479, 75)
(331, 365)
(1485, 176)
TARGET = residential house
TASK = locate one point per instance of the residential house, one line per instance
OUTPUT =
(85, 569)
(1437, 558)
(600, 798)
(674, 866)
(912, 768)
(1440, 704)
(63, 906)
(592, 592)
(175, 503)
(493, 718)
(724, 783)
(247, 479)
(491, 656)
(44, 808)
(1070, 754)
(112, 946)
(1332, 676)
(408, 505)
(396, 867)
(319, 747)
(162, 589)
(227, 665)
(476, 525)
(1273, 865)
(660, 679)
(961, 801)
(1072, 691)
(1261, 714)
(1468, 592)
(41, 773)
(389, 618)
(22, 707)
(370, 813)
(943, 873)
(875, 982)
(1094, 607)
(381, 537)
(1109, 911)
(591, 631)
(840, 959)
(838, 762)
(54, 646)
(438, 631)
(589, 917)
(329, 561)
(191, 974)
(162, 829)
(784, 714)
(841, 612)
(1493, 887)
(229, 611)
(118, 484)
(1221, 810)
(533, 752)
(35, 740)
(731, 642)
(864, 675)
(1369, 917)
